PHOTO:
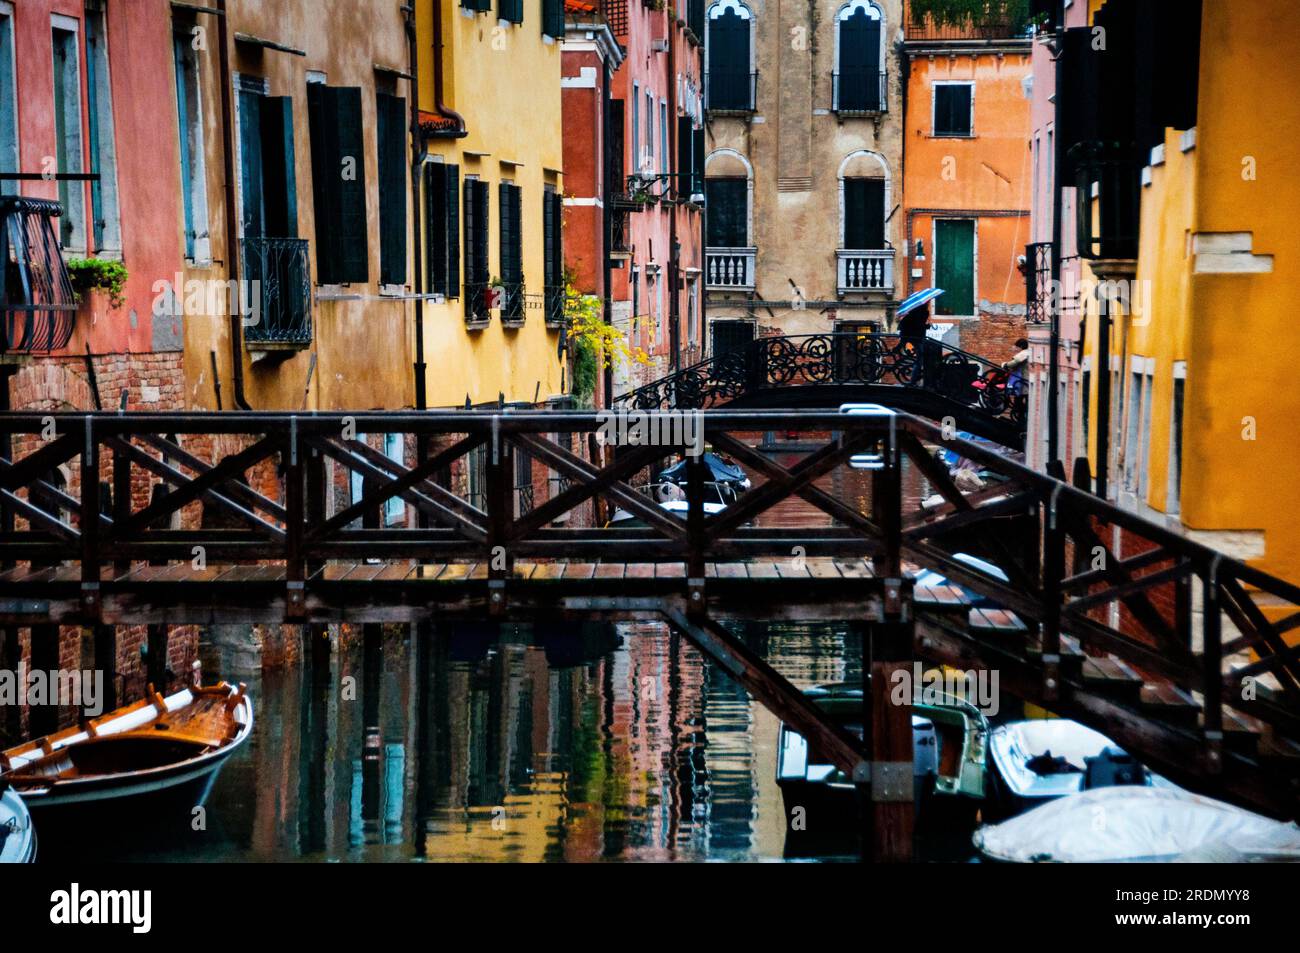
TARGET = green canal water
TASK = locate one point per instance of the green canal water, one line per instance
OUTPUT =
(613, 743)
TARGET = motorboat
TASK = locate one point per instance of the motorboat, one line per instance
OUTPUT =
(671, 498)
(17, 835)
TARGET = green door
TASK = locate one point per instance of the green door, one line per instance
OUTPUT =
(954, 267)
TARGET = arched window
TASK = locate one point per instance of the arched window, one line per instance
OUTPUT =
(859, 79)
(728, 54)
(864, 201)
(728, 179)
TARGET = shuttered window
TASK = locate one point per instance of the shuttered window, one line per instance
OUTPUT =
(858, 86)
(482, 6)
(864, 213)
(553, 18)
(475, 211)
(442, 227)
(338, 170)
(512, 10)
(552, 236)
(726, 213)
(954, 266)
(391, 111)
(952, 109)
(512, 252)
(728, 81)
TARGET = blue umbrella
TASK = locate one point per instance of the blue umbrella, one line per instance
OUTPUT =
(916, 299)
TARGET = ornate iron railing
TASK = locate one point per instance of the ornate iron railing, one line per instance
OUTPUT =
(36, 297)
(476, 302)
(553, 302)
(1038, 282)
(512, 303)
(279, 283)
(839, 359)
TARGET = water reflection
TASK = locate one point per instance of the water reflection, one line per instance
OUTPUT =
(510, 743)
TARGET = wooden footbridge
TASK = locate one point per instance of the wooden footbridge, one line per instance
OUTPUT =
(1207, 694)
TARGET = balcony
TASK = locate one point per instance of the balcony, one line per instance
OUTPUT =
(513, 301)
(36, 297)
(477, 306)
(554, 299)
(279, 281)
(1038, 282)
(731, 92)
(1108, 193)
(859, 93)
(864, 270)
(928, 29)
(729, 269)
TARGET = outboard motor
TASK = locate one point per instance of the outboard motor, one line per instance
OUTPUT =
(1112, 768)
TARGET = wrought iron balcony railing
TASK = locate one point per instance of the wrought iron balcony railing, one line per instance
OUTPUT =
(730, 91)
(870, 269)
(1038, 282)
(554, 304)
(279, 283)
(476, 302)
(513, 303)
(36, 297)
(859, 92)
(1002, 29)
(729, 269)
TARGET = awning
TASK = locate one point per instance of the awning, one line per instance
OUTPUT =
(916, 299)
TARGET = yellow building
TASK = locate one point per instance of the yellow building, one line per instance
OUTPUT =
(1202, 408)
(489, 95)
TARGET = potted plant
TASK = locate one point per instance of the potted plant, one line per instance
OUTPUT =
(98, 275)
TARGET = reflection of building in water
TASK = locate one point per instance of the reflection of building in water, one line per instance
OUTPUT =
(527, 744)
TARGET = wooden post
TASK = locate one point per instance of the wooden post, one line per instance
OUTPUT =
(1053, 574)
(888, 725)
(295, 569)
(159, 643)
(106, 662)
(1212, 665)
(316, 637)
(10, 656)
(695, 495)
(44, 720)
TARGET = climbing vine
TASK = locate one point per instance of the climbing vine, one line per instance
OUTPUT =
(593, 344)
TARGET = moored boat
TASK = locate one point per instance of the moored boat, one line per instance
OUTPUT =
(1039, 760)
(17, 835)
(948, 763)
(155, 749)
(1138, 825)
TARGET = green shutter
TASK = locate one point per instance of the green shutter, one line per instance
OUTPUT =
(391, 111)
(471, 238)
(954, 266)
(553, 18)
(324, 198)
(435, 229)
(250, 164)
(279, 178)
(481, 215)
(512, 10)
(548, 239)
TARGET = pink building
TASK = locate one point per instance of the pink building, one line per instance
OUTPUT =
(1074, 376)
(85, 90)
(633, 141)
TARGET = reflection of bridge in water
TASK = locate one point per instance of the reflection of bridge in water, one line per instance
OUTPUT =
(1166, 686)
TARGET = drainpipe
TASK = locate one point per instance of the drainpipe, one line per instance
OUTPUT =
(440, 107)
(232, 236)
(418, 153)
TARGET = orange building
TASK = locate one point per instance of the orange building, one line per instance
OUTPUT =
(967, 184)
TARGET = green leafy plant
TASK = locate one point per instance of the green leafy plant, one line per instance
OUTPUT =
(975, 12)
(593, 343)
(87, 274)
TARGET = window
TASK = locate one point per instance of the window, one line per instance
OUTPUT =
(553, 252)
(392, 124)
(1085, 409)
(954, 266)
(107, 228)
(394, 506)
(512, 10)
(727, 49)
(512, 252)
(442, 227)
(480, 6)
(726, 216)
(859, 81)
(648, 162)
(953, 109)
(553, 19)
(661, 323)
(731, 336)
(269, 206)
(67, 132)
(1138, 429)
(338, 173)
(1173, 502)
(684, 185)
(8, 101)
(864, 213)
(664, 167)
(636, 129)
(189, 114)
(692, 311)
(475, 208)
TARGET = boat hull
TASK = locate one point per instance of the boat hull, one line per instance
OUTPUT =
(19, 845)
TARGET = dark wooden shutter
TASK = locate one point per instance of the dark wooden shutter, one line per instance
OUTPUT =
(728, 80)
(726, 213)
(511, 252)
(553, 18)
(954, 267)
(512, 10)
(451, 226)
(481, 214)
(391, 111)
(334, 117)
(250, 164)
(548, 240)
(471, 239)
(952, 110)
(683, 184)
(859, 66)
(864, 213)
